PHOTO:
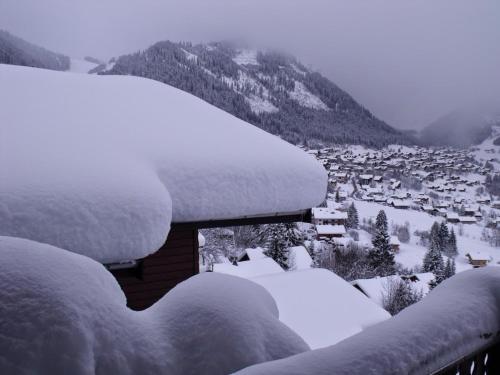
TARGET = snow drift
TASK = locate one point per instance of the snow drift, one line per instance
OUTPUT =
(101, 165)
(320, 306)
(458, 317)
(63, 313)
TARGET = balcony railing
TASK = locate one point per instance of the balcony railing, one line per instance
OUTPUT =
(453, 330)
(485, 361)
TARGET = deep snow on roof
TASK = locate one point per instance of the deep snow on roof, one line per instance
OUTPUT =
(320, 306)
(100, 165)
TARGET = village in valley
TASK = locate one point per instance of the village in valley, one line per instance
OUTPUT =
(442, 216)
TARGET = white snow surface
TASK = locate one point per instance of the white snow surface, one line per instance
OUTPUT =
(419, 340)
(299, 258)
(81, 66)
(63, 313)
(320, 306)
(306, 98)
(101, 165)
(250, 268)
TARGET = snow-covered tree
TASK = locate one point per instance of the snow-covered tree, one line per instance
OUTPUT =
(381, 257)
(450, 268)
(451, 246)
(443, 236)
(435, 235)
(352, 217)
(280, 237)
(433, 262)
(398, 294)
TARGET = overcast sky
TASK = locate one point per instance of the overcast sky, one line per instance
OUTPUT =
(407, 61)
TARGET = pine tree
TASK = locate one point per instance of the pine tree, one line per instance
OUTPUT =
(435, 235)
(280, 237)
(443, 236)
(451, 248)
(276, 245)
(381, 258)
(352, 217)
(433, 262)
(450, 268)
(337, 196)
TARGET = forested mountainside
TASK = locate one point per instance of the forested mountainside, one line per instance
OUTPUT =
(16, 51)
(270, 90)
(460, 128)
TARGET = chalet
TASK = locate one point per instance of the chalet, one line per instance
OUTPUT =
(471, 210)
(478, 259)
(395, 244)
(341, 177)
(483, 200)
(142, 220)
(452, 217)
(467, 219)
(429, 209)
(323, 215)
(441, 204)
(365, 179)
(327, 231)
(401, 204)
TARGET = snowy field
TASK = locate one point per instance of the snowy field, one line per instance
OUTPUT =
(411, 254)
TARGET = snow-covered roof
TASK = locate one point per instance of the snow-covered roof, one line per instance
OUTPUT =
(255, 253)
(324, 213)
(101, 165)
(395, 240)
(320, 306)
(467, 219)
(250, 268)
(376, 287)
(299, 258)
(326, 229)
(478, 255)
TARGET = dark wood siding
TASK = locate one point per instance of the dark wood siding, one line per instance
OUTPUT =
(175, 261)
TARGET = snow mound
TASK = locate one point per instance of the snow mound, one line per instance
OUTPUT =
(250, 268)
(63, 313)
(320, 306)
(101, 165)
(458, 317)
(81, 66)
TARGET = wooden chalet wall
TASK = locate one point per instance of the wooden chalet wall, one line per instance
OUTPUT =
(155, 275)
(177, 260)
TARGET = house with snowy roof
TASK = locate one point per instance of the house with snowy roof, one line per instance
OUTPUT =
(324, 215)
(478, 259)
(118, 185)
(328, 231)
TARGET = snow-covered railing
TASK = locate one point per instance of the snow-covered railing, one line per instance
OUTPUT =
(485, 361)
(455, 329)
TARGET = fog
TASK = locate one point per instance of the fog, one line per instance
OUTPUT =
(409, 62)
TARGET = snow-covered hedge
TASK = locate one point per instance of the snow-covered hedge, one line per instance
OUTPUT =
(458, 317)
(63, 313)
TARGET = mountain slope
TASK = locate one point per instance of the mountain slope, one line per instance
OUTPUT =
(16, 51)
(270, 90)
(460, 128)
